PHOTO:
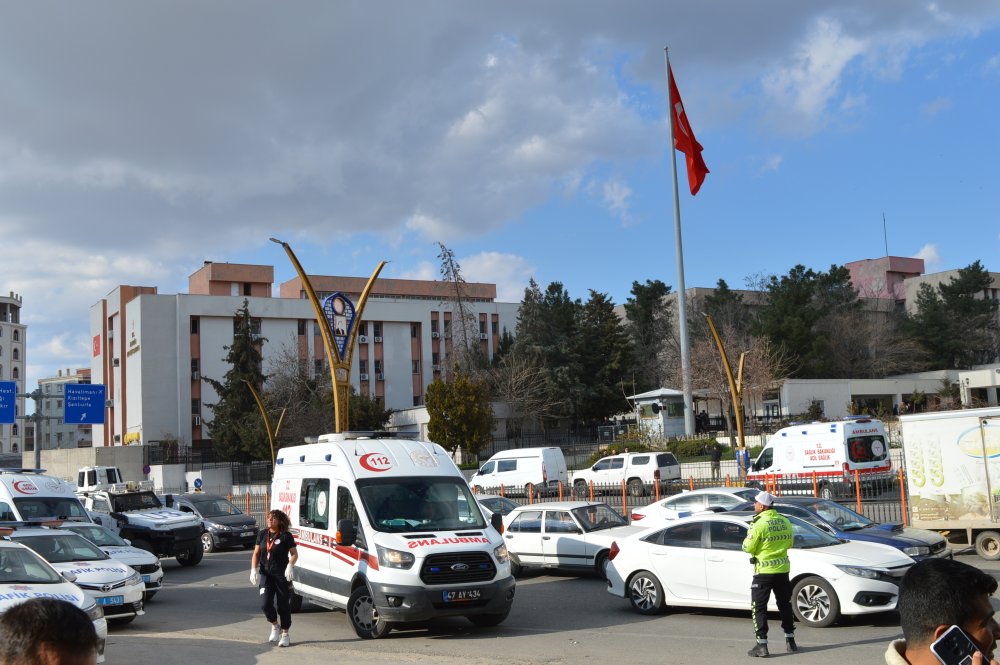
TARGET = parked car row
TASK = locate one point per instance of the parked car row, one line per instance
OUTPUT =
(686, 551)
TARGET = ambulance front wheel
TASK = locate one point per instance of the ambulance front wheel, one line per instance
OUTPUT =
(364, 616)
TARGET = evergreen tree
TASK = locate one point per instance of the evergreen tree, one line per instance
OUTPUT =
(237, 431)
(461, 416)
(604, 352)
(957, 322)
(366, 413)
(649, 318)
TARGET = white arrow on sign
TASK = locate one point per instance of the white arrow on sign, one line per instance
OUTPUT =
(83, 416)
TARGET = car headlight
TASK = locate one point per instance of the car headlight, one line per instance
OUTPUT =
(134, 578)
(858, 571)
(217, 527)
(918, 550)
(94, 612)
(501, 553)
(394, 558)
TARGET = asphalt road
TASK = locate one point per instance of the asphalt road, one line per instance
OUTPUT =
(209, 613)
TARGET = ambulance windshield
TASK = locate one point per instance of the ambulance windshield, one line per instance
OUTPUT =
(420, 504)
(43, 507)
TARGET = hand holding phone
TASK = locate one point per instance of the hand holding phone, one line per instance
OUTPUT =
(955, 647)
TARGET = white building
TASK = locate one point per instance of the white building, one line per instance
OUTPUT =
(13, 361)
(152, 350)
(54, 433)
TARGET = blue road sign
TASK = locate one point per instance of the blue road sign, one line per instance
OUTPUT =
(8, 400)
(197, 483)
(84, 403)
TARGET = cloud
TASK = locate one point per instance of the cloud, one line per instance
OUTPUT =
(615, 197)
(509, 272)
(929, 253)
(936, 106)
(771, 163)
(425, 270)
(992, 65)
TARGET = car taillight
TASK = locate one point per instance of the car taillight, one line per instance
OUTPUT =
(637, 516)
(614, 551)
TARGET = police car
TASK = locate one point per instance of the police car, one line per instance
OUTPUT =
(25, 575)
(116, 587)
(145, 563)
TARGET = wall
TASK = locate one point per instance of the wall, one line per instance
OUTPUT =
(66, 462)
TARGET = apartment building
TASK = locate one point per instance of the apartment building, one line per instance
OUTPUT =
(13, 362)
(54, 433)
(153, 350)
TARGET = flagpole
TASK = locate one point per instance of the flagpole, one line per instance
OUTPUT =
(681, 289)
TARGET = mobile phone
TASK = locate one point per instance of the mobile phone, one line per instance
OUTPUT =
(955, 647)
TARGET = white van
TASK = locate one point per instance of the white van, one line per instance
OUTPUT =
(28, 495)
(829, 451)
(388, 530)
(541, 468)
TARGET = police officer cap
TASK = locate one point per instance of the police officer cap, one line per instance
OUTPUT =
(764, 499)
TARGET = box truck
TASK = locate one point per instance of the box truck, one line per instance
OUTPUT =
(952, 461)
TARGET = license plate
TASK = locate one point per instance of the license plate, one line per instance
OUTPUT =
(246, 533)
(111, 600)
(146, 578)
(461, 595)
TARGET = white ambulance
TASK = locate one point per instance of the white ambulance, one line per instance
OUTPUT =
(827, 452)
(28, 495)
(389, 530)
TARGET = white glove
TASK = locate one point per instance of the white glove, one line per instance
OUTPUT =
(288, 572)
(255, 577)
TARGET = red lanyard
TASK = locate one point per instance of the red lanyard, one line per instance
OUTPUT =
(270, 541)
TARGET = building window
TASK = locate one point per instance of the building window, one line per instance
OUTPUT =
(416, 367)
(59, 438)
(15, 373)
(13, 429)
(195, 365)
(363, 365)
(194, 325)
(377, 329)
(447, 327)
(496, 327)
(196, 406)
(48, 438)
(14, 448)
(317, 367)
(59, 404)
(363, 328)
(482, 326)
(246, 289)
(418, 400)
(414, 330)
(434, 325)
(17, 335)
(302, 328)
(234, 289)
(435, 358)
(378, 366)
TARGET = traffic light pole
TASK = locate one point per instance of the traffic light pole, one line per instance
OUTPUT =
(37, 418)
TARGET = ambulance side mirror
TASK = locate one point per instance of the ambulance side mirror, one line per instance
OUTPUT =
(346, 533)
(496, 521)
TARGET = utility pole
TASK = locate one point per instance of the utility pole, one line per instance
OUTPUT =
(37, 418)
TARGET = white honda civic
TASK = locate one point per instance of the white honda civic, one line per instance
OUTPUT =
(699, 562)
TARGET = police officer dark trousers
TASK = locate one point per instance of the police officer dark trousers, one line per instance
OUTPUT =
(271, 572)
(767, 542)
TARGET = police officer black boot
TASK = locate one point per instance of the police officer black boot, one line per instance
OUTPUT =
(790, 645)
(759, 651)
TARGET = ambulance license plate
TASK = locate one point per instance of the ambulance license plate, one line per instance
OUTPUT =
(111, 600)
(461, 595)
(146, 578)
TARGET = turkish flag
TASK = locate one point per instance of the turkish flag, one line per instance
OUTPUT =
(684, 139)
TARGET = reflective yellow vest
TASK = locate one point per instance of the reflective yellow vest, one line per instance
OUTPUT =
(768, 540)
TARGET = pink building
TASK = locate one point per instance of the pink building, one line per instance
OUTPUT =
(883, 278)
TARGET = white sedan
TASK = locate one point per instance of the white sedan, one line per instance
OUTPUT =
(565, 534)
(25, 575)
(698, 562)
(117, 588)
(690, 502)
(145, 563)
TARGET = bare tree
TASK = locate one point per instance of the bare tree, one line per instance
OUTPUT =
(519, 382)
(307, 401)
(464, 328)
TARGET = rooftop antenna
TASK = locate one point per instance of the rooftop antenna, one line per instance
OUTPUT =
(885, 235)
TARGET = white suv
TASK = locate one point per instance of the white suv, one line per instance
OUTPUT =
(691, 502)
(639, 471)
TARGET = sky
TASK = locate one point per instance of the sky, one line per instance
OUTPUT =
(140, 139)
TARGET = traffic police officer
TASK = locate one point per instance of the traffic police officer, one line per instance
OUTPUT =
(767, 542)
